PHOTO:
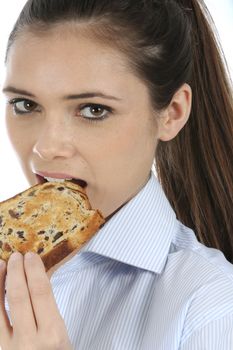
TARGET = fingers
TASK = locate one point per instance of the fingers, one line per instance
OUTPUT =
(5, 327)
(33, 309)
(42, 298)
(18, 298)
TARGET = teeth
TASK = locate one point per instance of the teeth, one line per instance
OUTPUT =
(51, 179)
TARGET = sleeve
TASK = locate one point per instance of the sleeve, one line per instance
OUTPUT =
(216, 335)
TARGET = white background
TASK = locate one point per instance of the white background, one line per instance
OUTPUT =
(12, 179)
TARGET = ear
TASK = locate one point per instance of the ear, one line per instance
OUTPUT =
(176, 115)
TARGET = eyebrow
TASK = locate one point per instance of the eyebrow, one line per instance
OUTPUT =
(11, 89)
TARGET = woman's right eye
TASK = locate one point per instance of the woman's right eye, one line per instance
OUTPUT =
(23, 106)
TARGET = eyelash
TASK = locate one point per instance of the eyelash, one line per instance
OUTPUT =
(109, 110)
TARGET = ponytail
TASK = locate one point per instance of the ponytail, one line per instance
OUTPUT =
(196, 168)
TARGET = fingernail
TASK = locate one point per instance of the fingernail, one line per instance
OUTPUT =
(15, 256)
(30, 255)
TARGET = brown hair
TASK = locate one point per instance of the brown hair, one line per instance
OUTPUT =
(196, 168)
(169, 43)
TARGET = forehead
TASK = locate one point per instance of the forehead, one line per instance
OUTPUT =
(61, 62)
(66, 52)
(68, 58)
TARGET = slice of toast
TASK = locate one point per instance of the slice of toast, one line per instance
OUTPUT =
(52, 219)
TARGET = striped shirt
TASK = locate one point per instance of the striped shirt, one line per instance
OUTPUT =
(144, 282)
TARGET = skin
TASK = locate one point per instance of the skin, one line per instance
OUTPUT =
(114, 156)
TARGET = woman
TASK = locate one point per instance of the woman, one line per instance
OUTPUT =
(96, 90)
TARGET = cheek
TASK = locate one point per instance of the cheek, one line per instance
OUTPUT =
(121, 142)
(130, 143)
(134, 137)
(19, 137)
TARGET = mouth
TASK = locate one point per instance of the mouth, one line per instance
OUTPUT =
(42, 180)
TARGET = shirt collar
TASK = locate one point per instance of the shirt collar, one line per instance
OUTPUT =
(140, 233)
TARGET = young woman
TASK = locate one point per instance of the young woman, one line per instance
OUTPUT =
(97, 90)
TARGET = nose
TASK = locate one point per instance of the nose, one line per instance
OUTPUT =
(54, 141)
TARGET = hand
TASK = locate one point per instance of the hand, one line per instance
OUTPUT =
(36, 321)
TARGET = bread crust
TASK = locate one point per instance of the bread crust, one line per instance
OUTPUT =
(66, 247)
(52, 219)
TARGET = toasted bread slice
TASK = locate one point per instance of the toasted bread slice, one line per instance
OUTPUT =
(52, 219)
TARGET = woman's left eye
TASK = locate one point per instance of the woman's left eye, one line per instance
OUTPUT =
(22, 106)
(94, 112)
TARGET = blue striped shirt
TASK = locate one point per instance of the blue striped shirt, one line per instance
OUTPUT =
(144, 282)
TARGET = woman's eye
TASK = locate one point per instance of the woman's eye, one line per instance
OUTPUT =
(95, 112)
(22, 106)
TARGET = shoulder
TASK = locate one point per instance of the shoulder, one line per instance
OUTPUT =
(211, 299)
(195, 259)
(204, 277)
(215, 335)
(198, 268)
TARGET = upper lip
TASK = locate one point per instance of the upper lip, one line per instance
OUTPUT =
(55, 175)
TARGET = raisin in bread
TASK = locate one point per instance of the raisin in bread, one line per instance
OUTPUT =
(52, 219)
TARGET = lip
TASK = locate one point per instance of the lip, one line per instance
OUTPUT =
(42, 174)
(55, 175)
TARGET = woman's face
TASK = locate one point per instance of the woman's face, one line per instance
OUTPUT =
(75, 108)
